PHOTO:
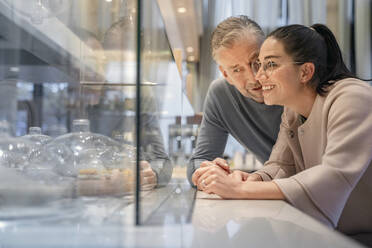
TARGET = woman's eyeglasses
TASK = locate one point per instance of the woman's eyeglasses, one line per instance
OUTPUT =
(269, 66)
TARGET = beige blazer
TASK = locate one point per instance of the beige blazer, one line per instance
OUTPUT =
(323, 165)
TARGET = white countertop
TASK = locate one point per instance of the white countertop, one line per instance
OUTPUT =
(259, 223)
(215, 223)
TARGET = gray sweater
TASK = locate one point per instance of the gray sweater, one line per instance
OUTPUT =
(226, 111)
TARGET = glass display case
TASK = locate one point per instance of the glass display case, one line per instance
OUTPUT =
(91, 99)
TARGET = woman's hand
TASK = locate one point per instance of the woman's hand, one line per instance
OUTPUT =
(227, 186)
(203, 172)
(211, 167)
(254, 177)
(233, 186)
(219, 165)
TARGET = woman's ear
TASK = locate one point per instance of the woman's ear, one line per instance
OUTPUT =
(307, 72)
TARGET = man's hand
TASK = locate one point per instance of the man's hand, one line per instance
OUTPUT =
(245, 176)
(240, 174)
(218, 161)
(218, 165)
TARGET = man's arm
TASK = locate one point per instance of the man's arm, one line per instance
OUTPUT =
(212, 136)
(211, 144)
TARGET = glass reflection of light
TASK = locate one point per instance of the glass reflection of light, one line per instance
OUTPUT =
(2, 224)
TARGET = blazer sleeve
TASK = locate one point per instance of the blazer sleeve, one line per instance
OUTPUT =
(323, 190)
(281, 161)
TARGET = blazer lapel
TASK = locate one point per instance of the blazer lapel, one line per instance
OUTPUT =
(312, 135)
(293, 139)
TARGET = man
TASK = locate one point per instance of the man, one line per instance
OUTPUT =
(234, 104)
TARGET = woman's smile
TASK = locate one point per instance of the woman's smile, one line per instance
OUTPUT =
(267, 89)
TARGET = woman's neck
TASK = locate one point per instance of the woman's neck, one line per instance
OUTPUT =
(303, 104)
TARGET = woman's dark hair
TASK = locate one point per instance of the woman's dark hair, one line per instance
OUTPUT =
(318, 45)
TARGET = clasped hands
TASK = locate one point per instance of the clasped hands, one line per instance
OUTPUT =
(216, 177)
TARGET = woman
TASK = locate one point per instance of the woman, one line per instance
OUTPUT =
(321, 160)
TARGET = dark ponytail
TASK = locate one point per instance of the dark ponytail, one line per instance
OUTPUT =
(336, 68)
(318, 45)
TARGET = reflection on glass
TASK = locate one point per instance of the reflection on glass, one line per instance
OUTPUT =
(68, 75)
(52, 80)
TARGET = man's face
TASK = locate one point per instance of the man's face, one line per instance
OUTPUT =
(235, 65)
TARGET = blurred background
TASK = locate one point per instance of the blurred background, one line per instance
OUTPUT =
(190, 23)
(56, 54)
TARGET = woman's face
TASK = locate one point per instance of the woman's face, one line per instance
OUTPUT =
(279, 75)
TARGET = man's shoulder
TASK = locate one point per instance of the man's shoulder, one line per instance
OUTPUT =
(219, 87)
(219, 97)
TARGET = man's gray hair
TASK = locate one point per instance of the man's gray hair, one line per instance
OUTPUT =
(235, 29)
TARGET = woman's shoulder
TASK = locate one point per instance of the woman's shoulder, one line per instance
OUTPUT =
(350, 86)
(350, 92)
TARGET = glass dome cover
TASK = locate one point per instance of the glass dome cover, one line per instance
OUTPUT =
(83, 149)
(14, 152)
(35, 135)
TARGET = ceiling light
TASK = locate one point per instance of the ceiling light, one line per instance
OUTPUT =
(181, 10)
(189, 49)
(109, 1)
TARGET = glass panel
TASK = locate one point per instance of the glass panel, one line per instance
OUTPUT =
(67, 113)
(164, 107)
(68, 108)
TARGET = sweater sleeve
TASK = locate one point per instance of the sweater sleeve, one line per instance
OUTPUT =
(323, 189)
(281, 162)
(212, 136)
